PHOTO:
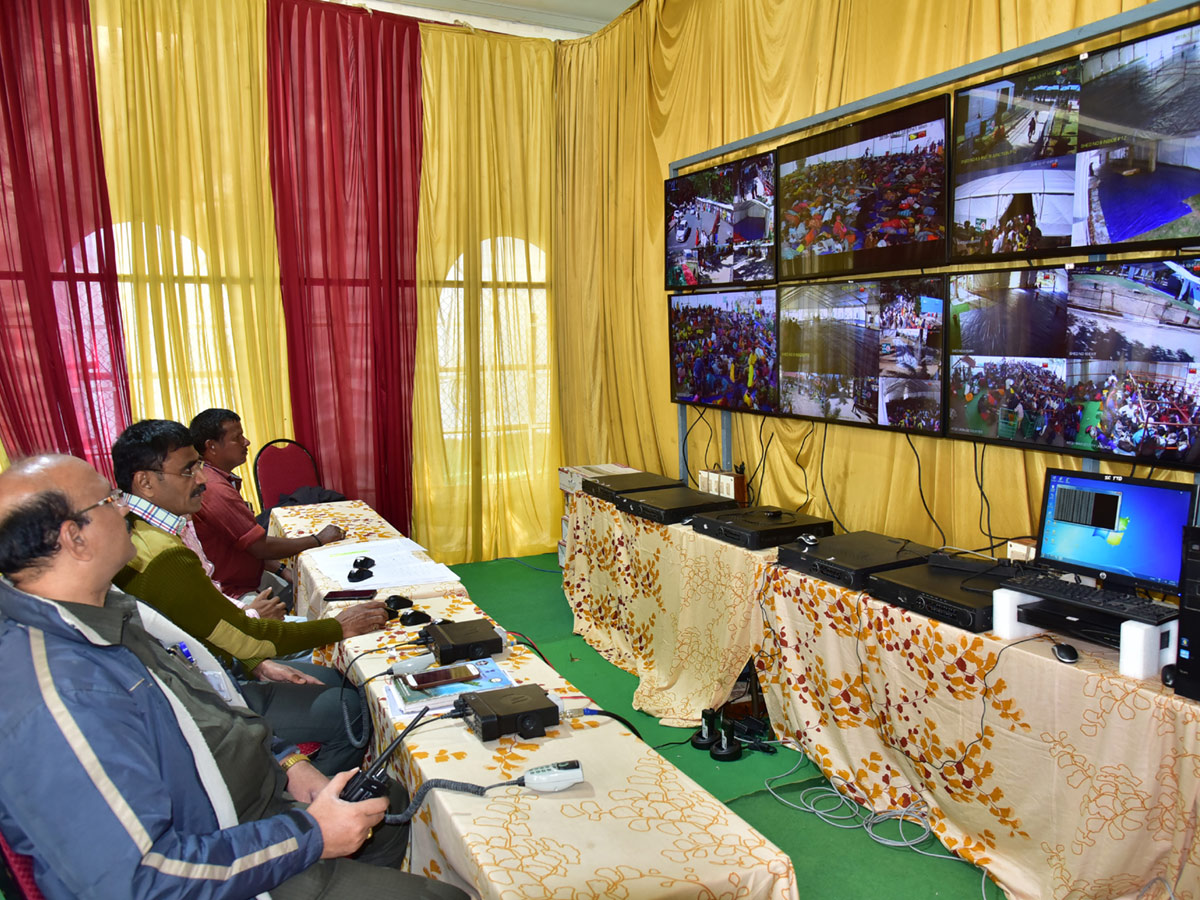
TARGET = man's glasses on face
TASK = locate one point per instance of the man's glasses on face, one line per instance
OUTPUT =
(190, 472)
(114, 497)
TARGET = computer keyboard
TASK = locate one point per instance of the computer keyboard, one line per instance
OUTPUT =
(1126, 606)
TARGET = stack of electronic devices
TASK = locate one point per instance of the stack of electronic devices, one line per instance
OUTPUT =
(949, 587)
(609, 487)
(670, 505)
(654, 497)
(850, 559)
(757, 527)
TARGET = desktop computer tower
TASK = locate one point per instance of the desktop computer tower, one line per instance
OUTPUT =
(1187, 668)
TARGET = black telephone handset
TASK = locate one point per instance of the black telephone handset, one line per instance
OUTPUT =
(373, 781)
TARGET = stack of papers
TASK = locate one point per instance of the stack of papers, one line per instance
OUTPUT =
(397, 563)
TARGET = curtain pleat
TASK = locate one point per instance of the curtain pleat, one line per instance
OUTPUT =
(63, 384)
(183, 116)
(345, 101)
(486, 448)
(672, 78)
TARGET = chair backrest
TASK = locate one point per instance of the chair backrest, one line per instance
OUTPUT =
(20, 867)
(280, 467)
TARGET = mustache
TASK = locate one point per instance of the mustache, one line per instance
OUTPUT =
(200, 489)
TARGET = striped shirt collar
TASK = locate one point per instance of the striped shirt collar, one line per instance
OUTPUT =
(156, 515)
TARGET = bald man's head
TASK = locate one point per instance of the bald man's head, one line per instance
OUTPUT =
(48, 500)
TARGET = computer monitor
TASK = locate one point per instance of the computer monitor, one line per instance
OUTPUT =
(866, 197)
(723, 350)
(721, 225)
(1124, 532)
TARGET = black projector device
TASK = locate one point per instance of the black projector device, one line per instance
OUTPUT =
(451, 641)
(525, 710)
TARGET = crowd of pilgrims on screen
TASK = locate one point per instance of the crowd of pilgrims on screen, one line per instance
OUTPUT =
(871, 201)
(723, 358)
(1142, 417)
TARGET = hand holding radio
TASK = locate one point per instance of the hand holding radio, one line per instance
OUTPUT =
(345, 825)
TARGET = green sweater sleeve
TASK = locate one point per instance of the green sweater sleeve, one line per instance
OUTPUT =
(175, 583)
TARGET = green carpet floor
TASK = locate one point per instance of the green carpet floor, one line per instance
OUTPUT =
(831, 863)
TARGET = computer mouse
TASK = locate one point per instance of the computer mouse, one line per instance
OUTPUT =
(1066, 653)
(364, 562)
(415, 617)
(397, 602)
(359, 574)
(810, 539)
(1168, 675)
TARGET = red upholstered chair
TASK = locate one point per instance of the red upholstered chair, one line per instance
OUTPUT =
(21, 869)
(280, 467)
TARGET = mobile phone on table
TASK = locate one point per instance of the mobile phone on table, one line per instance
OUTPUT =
(423, 681)
(360, 594)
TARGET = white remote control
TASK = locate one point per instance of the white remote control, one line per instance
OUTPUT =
(554, 777)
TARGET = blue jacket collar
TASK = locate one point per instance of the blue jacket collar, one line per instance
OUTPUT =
(99, 625)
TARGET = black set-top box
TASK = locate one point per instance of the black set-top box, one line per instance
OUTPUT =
(960, 598)
(609, 487)
(757, 527)
(850, 559)
(670, 505)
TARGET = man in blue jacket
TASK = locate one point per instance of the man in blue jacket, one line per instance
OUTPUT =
(125, 773)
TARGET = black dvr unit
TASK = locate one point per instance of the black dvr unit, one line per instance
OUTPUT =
(849, 559)
(963, 599)
(609, 487)
(759, 526)
(670, 505)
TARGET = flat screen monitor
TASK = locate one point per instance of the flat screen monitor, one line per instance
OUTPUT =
(866, 197)
(1096, 152)
(864, 352)
(723, 350)
(1097, 359)
(1122, 531)
(721, 225)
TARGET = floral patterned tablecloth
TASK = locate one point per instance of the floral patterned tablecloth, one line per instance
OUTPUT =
(636, 828)
(666, 604)
(1081, 783)
(361, 524)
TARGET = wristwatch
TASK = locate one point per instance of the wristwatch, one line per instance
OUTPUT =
(291, 759)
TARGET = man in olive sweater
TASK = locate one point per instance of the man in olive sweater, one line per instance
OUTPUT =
(163, 478)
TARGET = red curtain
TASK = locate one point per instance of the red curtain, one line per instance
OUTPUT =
(345, 130)
(63, 381)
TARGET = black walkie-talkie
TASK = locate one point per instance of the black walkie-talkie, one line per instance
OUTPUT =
(373, 781)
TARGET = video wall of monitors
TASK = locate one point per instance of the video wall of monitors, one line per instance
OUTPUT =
(1095, 153)
(724, 350)
(867, 353)
(1098, 359)
(721, 225)
(865, 197)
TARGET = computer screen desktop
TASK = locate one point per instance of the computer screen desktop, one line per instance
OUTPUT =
(1128, 530)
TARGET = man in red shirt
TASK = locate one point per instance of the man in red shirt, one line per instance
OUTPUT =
(238, 547)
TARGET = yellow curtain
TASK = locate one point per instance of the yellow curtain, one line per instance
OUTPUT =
(183, 115)
(672, 78)
(485, 416)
